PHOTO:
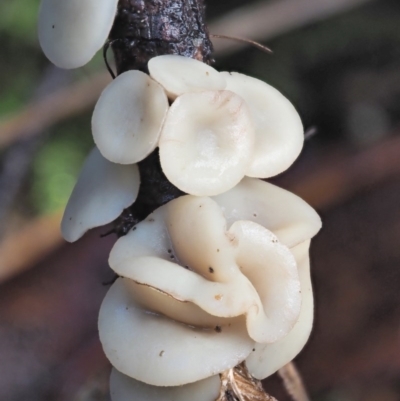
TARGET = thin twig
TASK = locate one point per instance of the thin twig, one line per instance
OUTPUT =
(293, 382)
(267, 20)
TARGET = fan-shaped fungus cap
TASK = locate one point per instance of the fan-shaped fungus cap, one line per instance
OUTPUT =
(179, 75)
(72, 31)
(278, 128)
(102, 192)
(128, 117)
(207, 142)
(124, 388)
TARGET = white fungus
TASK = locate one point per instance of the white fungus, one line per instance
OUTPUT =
(268, 358)
(124, 388)
(102, 192)
(290, 218)
(179, 75)
(157, 350)
(128, 117)
(278, 128)
(184, 269)
(207, 142)
(72, 31)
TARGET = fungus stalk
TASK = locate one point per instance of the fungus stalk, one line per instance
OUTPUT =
(214, 290)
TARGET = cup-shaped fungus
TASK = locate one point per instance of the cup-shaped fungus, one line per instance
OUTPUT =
(128, 117)
(179, 75)
(102, 192)
(278, 128)
(206, 142)
(197, 297)
(72, 31)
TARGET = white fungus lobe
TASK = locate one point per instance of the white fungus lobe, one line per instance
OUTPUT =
(279, 133)
(206, 142)
(102, 192)
(269, 358)
(179, 75)
(72, 31)
(128, 117)
(290, 218)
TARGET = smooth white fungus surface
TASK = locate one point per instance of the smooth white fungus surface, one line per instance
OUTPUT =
(179, 75)
(207, 142)
(197, 289)
(268, 358)
(72, 31)
(290, 218)
(160, 351)
(102, 192)
(278, 128)
(128, 117)
(124, 388)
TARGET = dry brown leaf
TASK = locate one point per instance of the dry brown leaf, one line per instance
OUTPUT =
(238, 385)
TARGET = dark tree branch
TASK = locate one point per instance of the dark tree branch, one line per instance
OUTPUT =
(145, 29)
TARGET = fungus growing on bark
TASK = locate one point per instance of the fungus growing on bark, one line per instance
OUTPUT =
(102, 192)
(128, 117)
(208, 285)
(253, 295)
(72, 31)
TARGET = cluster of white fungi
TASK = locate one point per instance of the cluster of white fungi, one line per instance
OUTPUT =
(216, 277)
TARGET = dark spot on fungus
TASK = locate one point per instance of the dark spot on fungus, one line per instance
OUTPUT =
(218, 329)
(217, 250)
(207, 73)
(151, 220)
(255, 214)
(169, 250)
(254, 349)
(53, 26)
(161, 353)
(211, 270)
(172, 257)
(187, 267)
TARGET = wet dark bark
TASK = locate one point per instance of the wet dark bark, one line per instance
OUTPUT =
(144, 29)
(147, 28)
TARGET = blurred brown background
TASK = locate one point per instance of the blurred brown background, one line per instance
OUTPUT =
(339, 63)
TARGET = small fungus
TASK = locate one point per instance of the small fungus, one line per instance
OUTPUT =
(128, 117)
(82, 29)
